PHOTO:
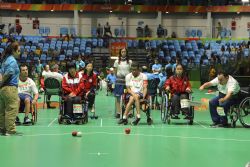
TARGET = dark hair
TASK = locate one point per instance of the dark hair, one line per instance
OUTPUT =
(120, 55)
(223, 72)
(91, 72)
(135, 65)
(23, 65)
(12, 47)
(70, 65)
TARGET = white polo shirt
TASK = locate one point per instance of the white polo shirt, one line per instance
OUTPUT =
(231, 85)
(27, 87)
(136, 83)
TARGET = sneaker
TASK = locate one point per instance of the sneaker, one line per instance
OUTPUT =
(26, 120)
(214, 125)
(224, 125)
(175, 117)
(13, 134)
(149, 121)
(123, 121)
(117, 115)
(136, 121)
(17, 122)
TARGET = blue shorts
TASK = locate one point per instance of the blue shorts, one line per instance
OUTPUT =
(22, 98)
(138, 93)
(119, 89)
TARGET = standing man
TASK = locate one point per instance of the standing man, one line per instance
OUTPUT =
(9, 75)
(228, 90)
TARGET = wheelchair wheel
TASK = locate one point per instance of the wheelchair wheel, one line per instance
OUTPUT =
(60, 120)
(234, 110)
(244, 113)
(168, 119)
(163, 109)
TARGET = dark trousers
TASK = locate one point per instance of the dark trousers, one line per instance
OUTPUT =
(68, 107)
(214, 103)
(91, 99)
(176, 106)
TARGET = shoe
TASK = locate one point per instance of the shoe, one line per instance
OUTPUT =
(17, 122)
(13, 134)
(149, 121)
(117, 115)
(130, 115)
(51, 107)
(214, 125)
(175, 117)
(224, 125)
(136, 121)
(26, 120)
(123, 121)
(2, 131)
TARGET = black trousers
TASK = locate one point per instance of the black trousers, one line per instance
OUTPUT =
(68, 104)
(176, 106)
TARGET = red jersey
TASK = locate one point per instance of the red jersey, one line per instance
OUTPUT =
(72, 84)
(89, 82)
(177, 84)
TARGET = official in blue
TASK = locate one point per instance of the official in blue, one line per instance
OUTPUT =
(9, 76)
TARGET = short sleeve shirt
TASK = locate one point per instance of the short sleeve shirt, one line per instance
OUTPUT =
(231, 85)
(136, 83)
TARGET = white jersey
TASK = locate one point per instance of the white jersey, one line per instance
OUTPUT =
(50, 74)
(136, 83)
(231, 85)
(123, 68)
(27, 87)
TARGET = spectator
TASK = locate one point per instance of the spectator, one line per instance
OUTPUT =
(107, 30)
(160, 31)
(99, 31)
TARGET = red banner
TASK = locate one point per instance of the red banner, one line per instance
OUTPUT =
(122, 8)
(115, 47)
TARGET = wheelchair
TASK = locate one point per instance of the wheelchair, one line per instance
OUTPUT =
(110, 87)
(241, 110)
(145, 109)
(33, 112)
(80, 112)
(153, 93)
(166, 109)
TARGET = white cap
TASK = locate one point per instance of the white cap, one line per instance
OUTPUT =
(111, 69)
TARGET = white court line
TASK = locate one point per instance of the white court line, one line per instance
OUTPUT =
(148, 135)
(99, 153)
(200, 124)
(52, 122)
(101, 123)
(137, 127)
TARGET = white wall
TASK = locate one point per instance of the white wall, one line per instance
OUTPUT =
(173, 22)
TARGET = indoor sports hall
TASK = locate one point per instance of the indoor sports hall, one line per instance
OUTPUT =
(136, 83)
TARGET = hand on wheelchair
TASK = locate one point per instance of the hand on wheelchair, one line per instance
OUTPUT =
(188, 90)
(72, 94)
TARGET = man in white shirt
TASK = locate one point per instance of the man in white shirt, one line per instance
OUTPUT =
(26, 90)
(136, 83)
(54, 73)
(228, 89)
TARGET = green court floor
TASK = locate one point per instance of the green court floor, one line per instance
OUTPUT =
(104, 143)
